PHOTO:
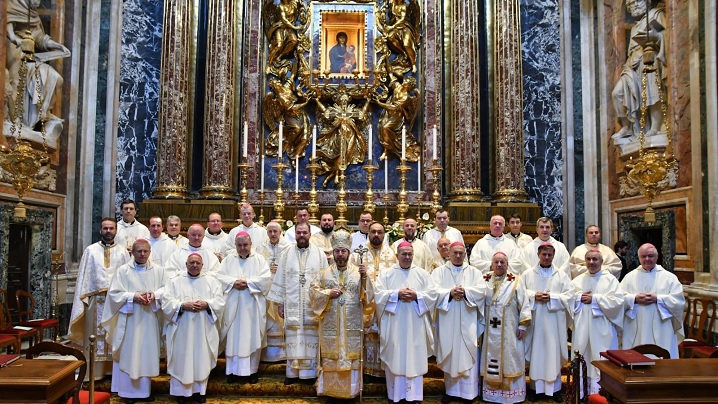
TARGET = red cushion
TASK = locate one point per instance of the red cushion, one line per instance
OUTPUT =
(48, 322)
(705, 350)
(688, 344)
(597, 399)
(101, 397)
(6, 338)
(14, 331)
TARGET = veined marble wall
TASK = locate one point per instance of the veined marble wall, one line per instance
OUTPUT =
(540, 32)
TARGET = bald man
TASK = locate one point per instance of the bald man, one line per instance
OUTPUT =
(195, 236)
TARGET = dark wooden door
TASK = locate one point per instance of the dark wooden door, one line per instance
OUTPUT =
(18, 269)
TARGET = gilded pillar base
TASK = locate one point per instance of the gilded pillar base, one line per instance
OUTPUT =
(170, 192)
(216, 192)
(466, 195)
(511, 195)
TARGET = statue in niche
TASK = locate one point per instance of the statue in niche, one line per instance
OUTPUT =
(282, 34)
(401, 34)
(283, 104)
(646, 45)
(400, 111)
(340, 142)
(26, 37)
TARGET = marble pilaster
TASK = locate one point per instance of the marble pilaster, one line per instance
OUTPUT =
(219, 101)
(508, 104)
(175, 102)
(431, 46)
(463, 166)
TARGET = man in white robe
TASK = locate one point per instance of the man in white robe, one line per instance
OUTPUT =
(215, 238)
(460, 299)
(178, 259)
(271, 249)
(495, 241)
(443, 246)
(343, 300)
(246, 279)
(361, 237)
(161, 246)
(405, 296)
(441, 229)
(174, 226)
(193, 304)
(507, 315)
(598, 314)
(515, 234)
(423, 258)
(611, 262)
(297, 266)
(257, 233)
(302, 216)
(654, 304)
(551, 297)
(324, 237)
(97, 267)
(134, 326)
(130, 229)
(544, 228)
(378, 258)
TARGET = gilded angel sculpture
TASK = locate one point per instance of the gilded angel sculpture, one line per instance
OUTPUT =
(283, 104)
(399, 110)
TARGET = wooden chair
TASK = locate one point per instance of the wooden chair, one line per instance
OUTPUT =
(9, 341)
(653, 350)
(700, 329)
(53, 347)
(25, 309)
(6, 325)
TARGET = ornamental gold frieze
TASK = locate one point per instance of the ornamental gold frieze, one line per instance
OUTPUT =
(337, 64)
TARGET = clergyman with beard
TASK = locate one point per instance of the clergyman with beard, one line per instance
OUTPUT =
(323, 239)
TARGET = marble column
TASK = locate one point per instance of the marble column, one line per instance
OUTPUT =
(508, 97)
(2, 71)
(175, 102)
(462, 137)
(219, 101)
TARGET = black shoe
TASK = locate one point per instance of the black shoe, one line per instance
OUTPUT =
(150, 399)
(557, 398)
(232, 379)
(181, 399)
(199, 398)
(308, 382)
(129, 400)
(445, 399)
(253, 378)
(531, 395)
(290, 380)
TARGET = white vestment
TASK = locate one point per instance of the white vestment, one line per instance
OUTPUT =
(297, 267)
(127, 233)
(577, 261)
(595, 325)
(161, 248)
(405, 328)
(659, 323)
(521, 239)
(503, 359)
(560, 257)
(179, 240)
(192, 337)
(178, 260)
(487, 246)
(257, 234)
(244, 322)
(215, 242)
(134, 330)
(546, 338)
(97, 267)
(431, 238)
(274, 351)
(376, 261)
(457, 327)
(289, 234)
(324, 242)
(422, 254)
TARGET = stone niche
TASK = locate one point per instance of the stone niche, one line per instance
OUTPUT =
(661, 233)
(40, 223)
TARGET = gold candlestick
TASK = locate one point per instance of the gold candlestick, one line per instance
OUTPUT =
(386, 209)
(435, 169)
(402, 207)
(261, 207)
(369, 205)
(279, 201)
(313, 207)
(243, 170)
(419, 198)
(341, 221)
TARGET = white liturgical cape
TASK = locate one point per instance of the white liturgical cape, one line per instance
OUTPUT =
(560, 256)
(422, 254)
(178, 260)
(215, 243)
(127, 233)
(659, 323)
(577, 261)
(192, 337)
(431, 238)
(257, 234)
(161, 249)
(487, 246)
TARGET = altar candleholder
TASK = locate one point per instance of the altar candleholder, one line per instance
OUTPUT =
(261, 207)
(279, 201)
(313, 207)
(402, 207)
(341, 222)
(436, 170)
(244, 171)
(386, 209)
(369, 205)
(296, 200)
(419, 200)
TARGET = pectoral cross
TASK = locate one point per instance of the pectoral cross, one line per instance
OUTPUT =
(495, 322)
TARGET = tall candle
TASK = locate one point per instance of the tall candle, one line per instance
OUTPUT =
(371, 143)
(296, 174)
(261, 187)
(281, 130)
(418, 174)
(434, 152)
(244, 141)
(386, 175)
(403, 143)
(314, 142)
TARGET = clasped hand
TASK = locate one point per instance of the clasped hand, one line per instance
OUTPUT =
(543, 297)
(457, 293)
(144, 298)
(646, 298)
(407, 295)
(195, 306)
(240, 284)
